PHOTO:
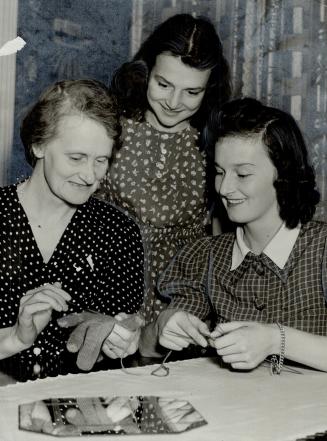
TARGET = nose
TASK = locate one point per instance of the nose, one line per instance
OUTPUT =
(174, 99)
(87, 173)
(225, 185)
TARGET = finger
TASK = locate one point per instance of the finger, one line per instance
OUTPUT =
(217, 332)
(200, 325)
(112, 352)
(132, 348)
(229, 350)
(121, 316)
(225, 341)
(121, 351)
(56, 288)
(52, 288)
(224, 328)
(54, 300)
(133, 322)
(77, 337)
(192, 330)
(115, 340)
(236, 358)
(93, 342)
(242, 365)
(122, 333)
(176, 343)
(71, 320)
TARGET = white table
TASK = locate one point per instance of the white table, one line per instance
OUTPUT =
(238, 406)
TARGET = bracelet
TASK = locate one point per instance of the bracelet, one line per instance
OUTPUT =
(277, 363)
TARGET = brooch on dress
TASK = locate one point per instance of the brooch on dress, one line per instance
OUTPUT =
(89, 261)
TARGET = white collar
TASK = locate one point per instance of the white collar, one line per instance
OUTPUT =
(278, 249)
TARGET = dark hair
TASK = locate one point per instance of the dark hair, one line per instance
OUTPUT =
(295, 185)
(89, 98)
(195, 40)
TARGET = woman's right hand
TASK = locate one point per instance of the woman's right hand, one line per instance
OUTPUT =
(36, 308)
(178, 330)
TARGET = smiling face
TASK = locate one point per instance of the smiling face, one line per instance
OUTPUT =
(76, 160)
(244, 181)
(175, 93)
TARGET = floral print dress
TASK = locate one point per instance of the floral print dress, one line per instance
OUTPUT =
(159, 178)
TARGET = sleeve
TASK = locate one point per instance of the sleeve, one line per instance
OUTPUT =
(131, 266)
(324, 271)
(185, 279)
(124, 268)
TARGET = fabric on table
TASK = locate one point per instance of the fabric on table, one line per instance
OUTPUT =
(247, 406)
(159, 178)
(199, 280)
(98, 260)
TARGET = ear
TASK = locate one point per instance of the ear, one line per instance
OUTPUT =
(38, 151)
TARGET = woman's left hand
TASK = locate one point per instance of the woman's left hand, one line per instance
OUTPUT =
(244, 345)
(124, 338)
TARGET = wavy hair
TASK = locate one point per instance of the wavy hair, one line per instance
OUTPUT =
(85, 97)
(295, 184)
(196, 41)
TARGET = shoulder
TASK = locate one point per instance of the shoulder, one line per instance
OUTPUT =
(110, 217)
(223, 241)
(7, 195)
(314, 229)
(7, 191)
(205, 246)
(130, 125)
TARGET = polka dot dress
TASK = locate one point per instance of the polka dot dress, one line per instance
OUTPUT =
(159, 178)
(99, 262)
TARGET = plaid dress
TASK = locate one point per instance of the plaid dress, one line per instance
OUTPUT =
(199, 280)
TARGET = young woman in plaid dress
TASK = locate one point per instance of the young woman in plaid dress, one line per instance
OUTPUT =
(264, 285)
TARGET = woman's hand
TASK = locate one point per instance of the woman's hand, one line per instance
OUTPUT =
(244, 345)
(35, 310)
(94, 332)
(181, 330)
(124, 338)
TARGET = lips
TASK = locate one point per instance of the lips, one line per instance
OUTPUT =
(234, 202)
(84, 186)
(170, 111)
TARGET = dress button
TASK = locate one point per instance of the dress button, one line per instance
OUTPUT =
(36, 369)
(258, 303)
(259, 269)
(36, 351)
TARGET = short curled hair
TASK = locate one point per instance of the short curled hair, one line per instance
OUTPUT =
(295, 184)
(84, 97)
(196, 41)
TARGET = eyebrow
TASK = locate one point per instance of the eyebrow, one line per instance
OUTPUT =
(158, 76)
(85, 154)
(237, 164)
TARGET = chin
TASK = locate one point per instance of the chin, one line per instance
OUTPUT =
(238, 219)
(168, 123)
(77, 200)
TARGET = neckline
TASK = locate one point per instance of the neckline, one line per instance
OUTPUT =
(150, 127)
(26, 221)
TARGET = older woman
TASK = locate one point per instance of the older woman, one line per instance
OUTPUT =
(62, 250)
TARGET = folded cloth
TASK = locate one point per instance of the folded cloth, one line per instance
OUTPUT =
(92, 329)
